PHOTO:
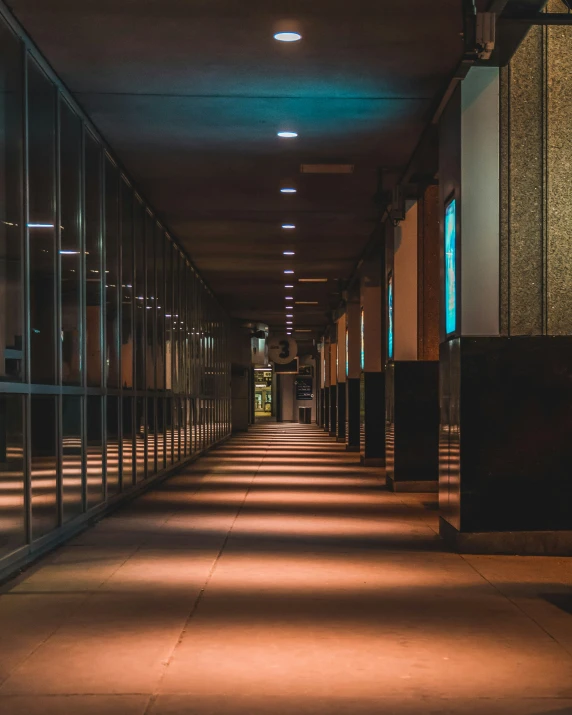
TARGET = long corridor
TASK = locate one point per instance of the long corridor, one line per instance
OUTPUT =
(276, 575)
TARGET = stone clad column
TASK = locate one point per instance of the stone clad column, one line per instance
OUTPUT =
(333, 389)
(354, 375)
(372, 328)
(506, 381)
(342, 380)
(412, 371)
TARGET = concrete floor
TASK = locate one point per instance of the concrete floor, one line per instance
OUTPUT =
(277, 576)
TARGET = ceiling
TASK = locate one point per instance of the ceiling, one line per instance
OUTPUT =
(191, 93)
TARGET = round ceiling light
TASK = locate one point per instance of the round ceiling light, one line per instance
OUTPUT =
(288, 190)
(288, 135)
(288, 226)
(288, 36)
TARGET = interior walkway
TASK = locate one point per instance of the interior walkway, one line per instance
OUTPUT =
(277, 576)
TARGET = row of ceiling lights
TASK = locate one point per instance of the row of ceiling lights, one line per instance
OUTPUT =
(291, 36)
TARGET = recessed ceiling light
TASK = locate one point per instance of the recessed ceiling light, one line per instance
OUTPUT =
(288, 226)
(288, 36)
(288, 286)
(288, 135)
(289, 315)
(288, 253)
(288, 190)
(288, 322)
(289, 307)
(288, 271)
(313, 280)
(289, 297)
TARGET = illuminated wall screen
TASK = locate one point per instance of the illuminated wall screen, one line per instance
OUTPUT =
(451, 267)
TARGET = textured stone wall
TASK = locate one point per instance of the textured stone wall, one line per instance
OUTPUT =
(536, 183)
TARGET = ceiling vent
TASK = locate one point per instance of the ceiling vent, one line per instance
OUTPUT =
(327, 169)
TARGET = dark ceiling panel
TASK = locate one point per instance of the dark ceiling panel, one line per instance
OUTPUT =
(190, 94)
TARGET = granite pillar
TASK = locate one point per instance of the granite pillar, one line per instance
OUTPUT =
(506, 388)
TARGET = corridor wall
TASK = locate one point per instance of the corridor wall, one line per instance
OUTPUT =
(114, 365)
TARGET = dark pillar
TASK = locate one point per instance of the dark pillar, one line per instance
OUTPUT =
(278, 398)
(341, 416)
(412, 425)
(333, 410)
(353, 408)
(373, 441)
(326, 422)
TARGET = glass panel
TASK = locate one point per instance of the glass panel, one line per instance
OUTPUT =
(113, 463)
(11, 229)
(94, 438)
(160, 354)
(127, 281)
(70, 245)
(112, 282)
(140, 297)
(93, 260)
(140, 420)
(168, 316)
(176, 321)
(44, 465)
(151, 435)
(160, 434)
(169, 431)
(127, 443)
(12, 520)
(151, 292)
(72, 467)
(41, 223)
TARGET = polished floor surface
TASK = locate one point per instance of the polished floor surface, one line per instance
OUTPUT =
(277, 576)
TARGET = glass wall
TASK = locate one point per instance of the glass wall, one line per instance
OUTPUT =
(114, 358)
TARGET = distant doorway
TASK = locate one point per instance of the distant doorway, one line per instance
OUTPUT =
(263, 393)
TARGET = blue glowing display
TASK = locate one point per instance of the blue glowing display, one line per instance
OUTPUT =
(362, 330)
(451, 267)
(390, 317)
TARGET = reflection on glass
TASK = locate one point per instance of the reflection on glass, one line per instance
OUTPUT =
(127, 443)
(72, 467)
(151, 436)
(94, 441)
(44, 465)
(151, 303)
(12, 520)
(160, 347)
(41, 223)
(169, 431)
(94, 268)
(112, 282)
(113, 453)
(127, 283)
(160, 434)
(140, 438)
(140, 297)
(70, 246)
(11, 229)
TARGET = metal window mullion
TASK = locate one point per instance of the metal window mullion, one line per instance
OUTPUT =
(83, 314)
(119, 332)
(103, 321)
(58, 311)
(25, 237)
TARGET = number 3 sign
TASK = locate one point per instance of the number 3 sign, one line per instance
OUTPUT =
(282, 349)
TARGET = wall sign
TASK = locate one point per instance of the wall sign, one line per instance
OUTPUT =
(304, 388)
(282, 349)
